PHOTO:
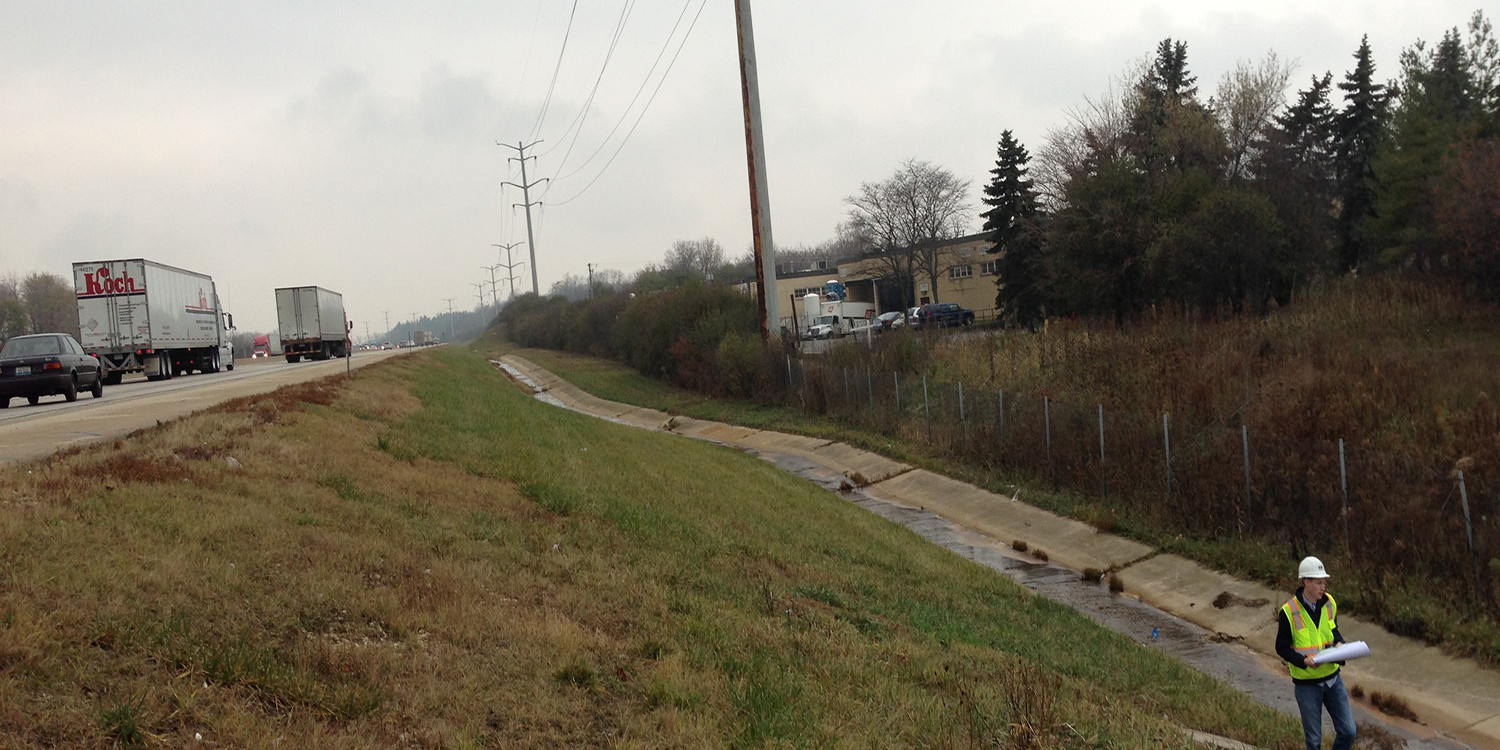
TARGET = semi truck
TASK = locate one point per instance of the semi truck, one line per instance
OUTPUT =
(136, 315)
(311, 323)
(423, 338)
(262, 346)
(830, 315)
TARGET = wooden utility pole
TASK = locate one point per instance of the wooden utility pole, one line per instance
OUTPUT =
(760, 194)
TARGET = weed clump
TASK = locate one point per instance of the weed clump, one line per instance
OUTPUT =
(577, 673)
(1092, 575)
(1116, 585)
(1019, 546)
(1031, 697)
(1392, 705)
(124, 722)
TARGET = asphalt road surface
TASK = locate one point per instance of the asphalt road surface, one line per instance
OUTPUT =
(29, 432)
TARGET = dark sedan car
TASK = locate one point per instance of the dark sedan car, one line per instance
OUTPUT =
(47, 364)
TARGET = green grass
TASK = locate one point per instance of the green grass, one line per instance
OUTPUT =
(489, 571)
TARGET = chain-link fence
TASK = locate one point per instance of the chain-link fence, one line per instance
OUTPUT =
(1389, 514)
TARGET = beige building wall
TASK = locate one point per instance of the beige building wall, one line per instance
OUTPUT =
(966, 275)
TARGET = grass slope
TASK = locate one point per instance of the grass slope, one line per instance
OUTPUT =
(424, 556)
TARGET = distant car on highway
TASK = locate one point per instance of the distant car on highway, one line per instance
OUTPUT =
(47, 364)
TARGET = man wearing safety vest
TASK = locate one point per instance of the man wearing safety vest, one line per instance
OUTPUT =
(1306, 626)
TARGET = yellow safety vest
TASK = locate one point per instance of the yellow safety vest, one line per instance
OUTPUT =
(1310, 637)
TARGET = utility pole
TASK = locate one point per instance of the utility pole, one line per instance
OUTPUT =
(494, 295)
(591, 281)
(387, 323)
(510, 276)
(449, 300)
(526, 201)
(480, 285)
(760, 195)
(367, 331)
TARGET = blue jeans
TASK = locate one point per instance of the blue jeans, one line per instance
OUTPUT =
(1311, 699)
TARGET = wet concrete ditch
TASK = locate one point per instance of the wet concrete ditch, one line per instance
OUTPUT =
(1257, 675)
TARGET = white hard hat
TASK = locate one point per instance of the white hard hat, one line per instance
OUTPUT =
(1311, 567)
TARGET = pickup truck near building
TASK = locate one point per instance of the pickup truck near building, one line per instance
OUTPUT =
(942, 314)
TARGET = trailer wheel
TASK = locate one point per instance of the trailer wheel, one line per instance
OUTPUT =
(213, 362)
(293, 359)
(113, 378)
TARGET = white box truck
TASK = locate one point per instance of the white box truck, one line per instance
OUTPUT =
(312, 323)
(137, 315)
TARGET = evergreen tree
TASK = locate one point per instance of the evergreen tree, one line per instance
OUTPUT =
(1170, 130)
(1359, 128)
(1295, 170)
(1011, 222)
(1441, 105)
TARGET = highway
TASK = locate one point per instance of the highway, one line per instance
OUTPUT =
(30, 432)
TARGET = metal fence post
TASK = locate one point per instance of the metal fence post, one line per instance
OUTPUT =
(1166, 439)
(848, 400)
(926, 409)
(870, 386)
(1002, 415)
(1463, 496)
(1047, 434)
(1245, 442)
(1344, 494)
(789, 373)
(962, 420)
(896, 384)
(1103, 477)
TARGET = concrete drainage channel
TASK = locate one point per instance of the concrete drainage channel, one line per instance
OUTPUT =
(1209, 652)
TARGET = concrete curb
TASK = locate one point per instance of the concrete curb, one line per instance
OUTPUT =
(1452, 695)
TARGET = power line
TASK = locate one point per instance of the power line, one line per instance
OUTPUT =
(588, 101)
(625, 114)
(643, 110)
(547, 101)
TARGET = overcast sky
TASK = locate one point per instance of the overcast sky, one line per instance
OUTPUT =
(353, 145)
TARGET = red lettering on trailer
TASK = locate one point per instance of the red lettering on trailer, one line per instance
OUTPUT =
(100, 282)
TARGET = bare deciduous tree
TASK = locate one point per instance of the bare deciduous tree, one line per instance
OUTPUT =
(903, 219)
(1096, 130)
(51, 305)
(1245, 106)
(699, 258)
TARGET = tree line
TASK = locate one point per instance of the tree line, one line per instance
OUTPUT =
(1152, 196)
(37, 303)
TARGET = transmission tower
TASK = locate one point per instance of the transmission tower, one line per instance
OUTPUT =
(525, 187)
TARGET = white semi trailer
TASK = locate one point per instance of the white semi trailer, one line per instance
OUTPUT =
(312, 323)
(137, 315)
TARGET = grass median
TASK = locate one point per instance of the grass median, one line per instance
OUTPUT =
(422, 555)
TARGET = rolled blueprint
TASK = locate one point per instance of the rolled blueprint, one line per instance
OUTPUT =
(1342, 652)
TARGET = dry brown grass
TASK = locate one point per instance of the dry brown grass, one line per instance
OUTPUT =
(1404, 372)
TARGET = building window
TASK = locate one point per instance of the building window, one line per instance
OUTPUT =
(961, 272)
(989, 267)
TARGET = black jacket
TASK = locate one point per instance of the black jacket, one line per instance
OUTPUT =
(1284, 634)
